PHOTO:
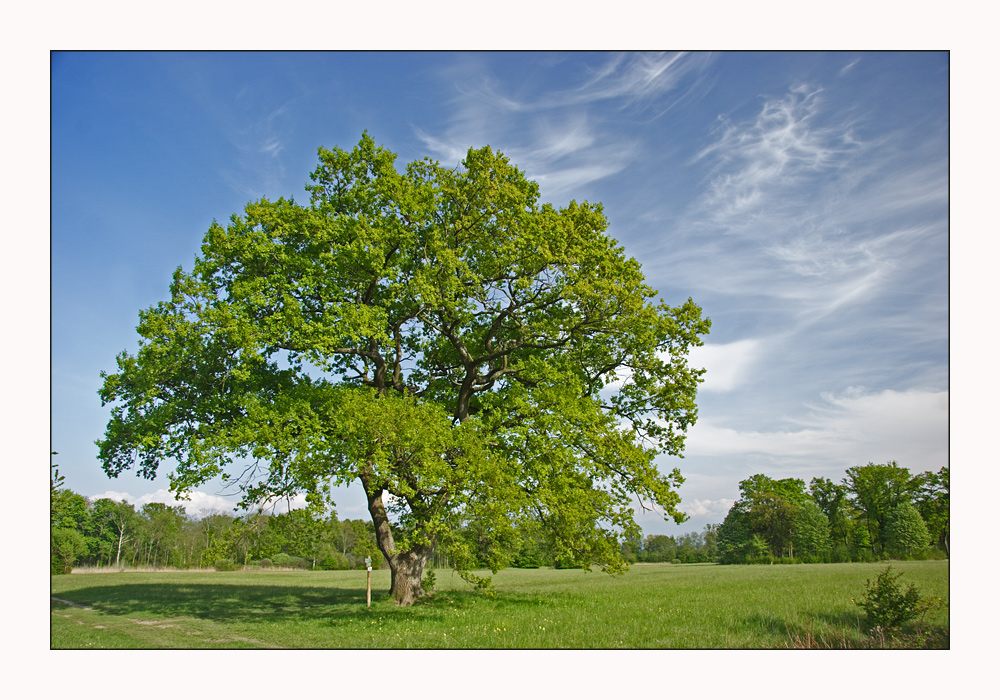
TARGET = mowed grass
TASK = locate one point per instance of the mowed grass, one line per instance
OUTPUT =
(660, 606)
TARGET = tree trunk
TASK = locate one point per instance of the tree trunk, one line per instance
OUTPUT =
(407, 567)
(407, 575)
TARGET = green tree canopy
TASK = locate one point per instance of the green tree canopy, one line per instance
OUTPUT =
(876, 490)
(462, 350)
(114, 524)
(905, 531)
(934, 504)
(771, 506)
(810, 530)
(832, 499)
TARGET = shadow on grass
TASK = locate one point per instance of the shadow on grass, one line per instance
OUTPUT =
(224, 602)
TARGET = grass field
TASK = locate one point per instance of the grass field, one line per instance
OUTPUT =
(658, 606)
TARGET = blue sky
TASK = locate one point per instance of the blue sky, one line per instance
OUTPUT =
(802, 199)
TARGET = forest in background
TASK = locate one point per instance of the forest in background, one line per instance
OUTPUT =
(878, 511)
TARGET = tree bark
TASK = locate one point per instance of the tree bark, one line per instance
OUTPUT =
(407, 567)
(407, 575)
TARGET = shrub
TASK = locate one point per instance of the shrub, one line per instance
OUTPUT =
(224, 565)
(865, 556)
(265, 563)
(66, 547)
(334, 562)
(287, 561)
(886, 606)
(281, 559)
(429, 581)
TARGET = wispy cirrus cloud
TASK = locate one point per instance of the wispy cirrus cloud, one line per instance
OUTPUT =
(636, 79)
(798, 208)
(754, 165)
(564, 138)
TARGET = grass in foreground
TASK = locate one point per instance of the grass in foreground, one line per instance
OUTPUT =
(652, 606)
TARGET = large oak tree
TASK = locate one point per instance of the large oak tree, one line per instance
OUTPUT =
(465, 352)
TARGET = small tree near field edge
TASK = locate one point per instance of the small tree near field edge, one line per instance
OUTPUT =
(886, 606)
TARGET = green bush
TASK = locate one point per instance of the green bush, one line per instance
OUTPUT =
(886, 606)
(66, 547)
(265, 563)
(287, 561)
(224, 565)
(931, 554)
(429, 581)
(334, 562)
(840, 554)
(865, 556)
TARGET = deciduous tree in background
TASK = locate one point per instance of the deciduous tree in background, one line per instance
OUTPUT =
(769, 507)
(116, 522)
(810, 531)
(876, 491)
(934, 504)
(905, 532)
(463, 351)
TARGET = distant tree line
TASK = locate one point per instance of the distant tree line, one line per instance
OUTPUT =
(106, 533)
(876, 512)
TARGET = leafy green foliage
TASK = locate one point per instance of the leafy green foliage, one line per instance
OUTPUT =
(933, 500)
(67, 546)
(468, 354)
(886, 606)
(876, 490)
(873, 514)
(763, 522)
(810, 532)
(429, 581)
(906, 533)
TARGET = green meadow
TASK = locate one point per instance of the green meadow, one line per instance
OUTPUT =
(653, 606)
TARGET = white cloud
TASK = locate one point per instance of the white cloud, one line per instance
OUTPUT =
(697, 508)
(855, 427)
(635, 77)
(909, 426)
(557, 182)
(728, 365)
(843, 71)
(200, 503)
(708, 439)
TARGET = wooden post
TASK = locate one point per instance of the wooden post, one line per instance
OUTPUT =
(368, 563)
